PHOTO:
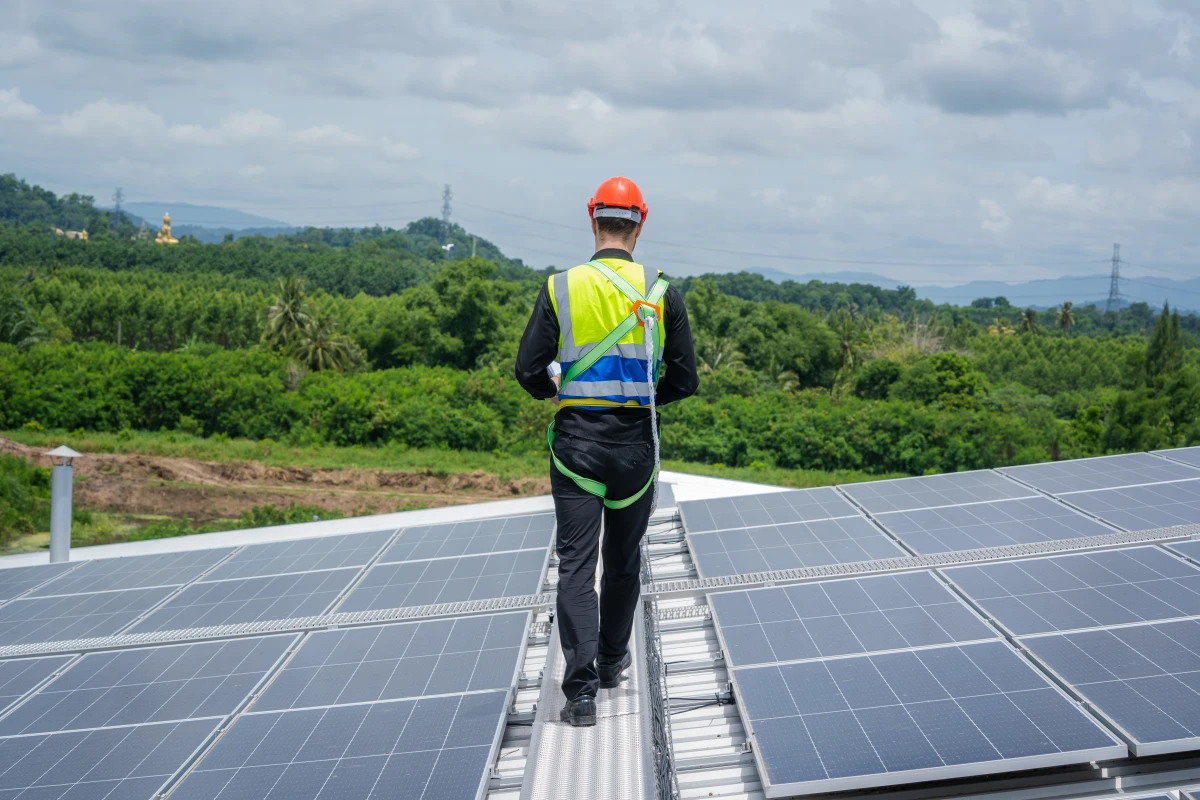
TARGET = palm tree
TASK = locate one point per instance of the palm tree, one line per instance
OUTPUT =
(844, 324)
(318, 346)
(1065, 318)
(782, 378)
(715, 352)
(290, 314)
(1029, 321)
(18, 326)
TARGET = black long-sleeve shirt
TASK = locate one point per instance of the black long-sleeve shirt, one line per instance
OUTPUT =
(539, 347)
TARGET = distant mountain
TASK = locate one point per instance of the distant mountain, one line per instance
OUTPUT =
(200, 216)
(1079, 289)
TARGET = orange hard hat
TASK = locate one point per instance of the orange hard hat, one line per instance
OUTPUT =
(618, 197)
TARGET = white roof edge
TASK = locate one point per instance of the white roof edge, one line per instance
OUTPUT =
(685, 486)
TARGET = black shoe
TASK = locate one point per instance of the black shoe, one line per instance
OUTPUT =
(610, 674)
(580, 712)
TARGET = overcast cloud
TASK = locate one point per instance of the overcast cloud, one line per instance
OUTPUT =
(1003, 140)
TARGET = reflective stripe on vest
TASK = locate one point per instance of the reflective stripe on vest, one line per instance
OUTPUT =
(588, 307)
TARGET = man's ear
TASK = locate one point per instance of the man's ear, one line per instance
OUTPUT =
(595, 228)
(638, 230)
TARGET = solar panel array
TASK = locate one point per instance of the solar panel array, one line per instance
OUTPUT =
(864, 682)
(414, 708)
(334, 713)
(888, 679)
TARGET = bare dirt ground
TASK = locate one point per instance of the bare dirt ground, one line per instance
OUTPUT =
(206, 490)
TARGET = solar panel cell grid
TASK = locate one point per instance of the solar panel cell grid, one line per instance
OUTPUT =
(400, 661)
(919, 715)
(1106, 472)
(158, 684)
(790, 546)
(996, 524)
(129, 763)
(832, 618)
(305, 555)
(1144, 678)
(17, 581)
(954, 488)
(423, 749)
(134, 572)
(451, 580)
(1140, 508)
(472, 538)
(1188, 455)
(249, 600)
(50, 619)
(803, 505)
(19, 675)
(1090, 590)
(1189, 549)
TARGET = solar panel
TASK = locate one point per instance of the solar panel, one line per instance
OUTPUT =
(438, 747)
(666, 495)
(134, 572)
(305, 555)
(394, 662)
(1090, 590)
(790, 546)
(471, 538)
(19, 675)
(892, 718)
(1145, 679)
(803, 505)
(448, 580)
(156, 684)
(993, 524)
(1188, 455)
(77, 616)
(249, 600)
(1105, 472)
(1140, 508)
(19, 580)
(132, 763)
(1190, 549)
(842, 617)
(951, 489)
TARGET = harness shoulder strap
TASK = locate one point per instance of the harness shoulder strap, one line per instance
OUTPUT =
(617, 280)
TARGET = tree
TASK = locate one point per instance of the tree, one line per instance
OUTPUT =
(1001, 327)
(1065, 318)
(1029, 321)
(876, 379)
(289, 315)
(18, 325)
(717, 352)
(1164, 353)
(320, 347)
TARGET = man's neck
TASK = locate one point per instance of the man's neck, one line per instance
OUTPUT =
(611, 243)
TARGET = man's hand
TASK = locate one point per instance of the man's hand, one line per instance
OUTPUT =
(557, 379)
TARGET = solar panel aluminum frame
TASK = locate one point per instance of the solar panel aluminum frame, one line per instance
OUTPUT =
(902, 549)
(977, 769)
(854, 508)
(1012, 635)
(305, 637)
(258, 687)
(1136, 747)
(951, 591)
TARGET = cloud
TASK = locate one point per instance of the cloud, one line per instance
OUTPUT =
(18, 49)
(12, 107)
(992, 217)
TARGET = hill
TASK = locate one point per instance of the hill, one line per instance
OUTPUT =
(190, 215)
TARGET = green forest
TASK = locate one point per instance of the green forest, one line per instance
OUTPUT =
(371, 337)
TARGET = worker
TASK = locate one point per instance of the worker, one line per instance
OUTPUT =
(620, 335)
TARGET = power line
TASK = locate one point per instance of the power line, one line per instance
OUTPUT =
(1114, 282)
(754, 254)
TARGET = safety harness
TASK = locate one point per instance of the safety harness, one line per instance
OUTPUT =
(647, 312)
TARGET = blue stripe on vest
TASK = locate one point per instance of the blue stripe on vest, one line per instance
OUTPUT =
(612, 368)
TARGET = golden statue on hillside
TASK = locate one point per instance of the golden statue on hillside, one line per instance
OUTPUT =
(164, 234)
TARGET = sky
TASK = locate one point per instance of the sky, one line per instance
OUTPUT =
(934, 142)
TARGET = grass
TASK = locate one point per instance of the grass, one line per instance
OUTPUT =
(269, 453)
(777, 476)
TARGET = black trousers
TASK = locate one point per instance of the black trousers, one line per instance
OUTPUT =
(589, 630)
